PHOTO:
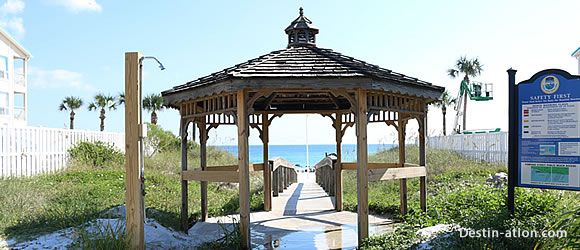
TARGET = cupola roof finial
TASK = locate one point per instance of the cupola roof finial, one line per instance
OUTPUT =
(301, 32)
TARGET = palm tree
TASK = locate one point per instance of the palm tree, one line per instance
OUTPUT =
(153, 103)
(471, 68)
(446, 100)
(103, 101)
(71, 103)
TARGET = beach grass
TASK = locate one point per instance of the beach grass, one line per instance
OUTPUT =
(47, 203)
(457, 193)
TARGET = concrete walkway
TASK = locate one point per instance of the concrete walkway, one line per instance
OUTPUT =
(302, 217)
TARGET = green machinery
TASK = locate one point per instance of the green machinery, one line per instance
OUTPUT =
(475, 91)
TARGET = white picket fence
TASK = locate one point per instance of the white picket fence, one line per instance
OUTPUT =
(27, 151)
(488, 147)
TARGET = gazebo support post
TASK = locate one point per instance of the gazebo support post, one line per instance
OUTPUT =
(243, 166)
(267, 170)
(338, 166)
(362, 165)
(184, 193)
(403, 182)
(422, 156)
(133, 193)
(203, 164)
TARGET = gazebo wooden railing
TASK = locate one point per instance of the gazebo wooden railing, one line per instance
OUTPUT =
(327, 168)
(283, 175)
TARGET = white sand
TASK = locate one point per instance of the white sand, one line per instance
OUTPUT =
(156, 237)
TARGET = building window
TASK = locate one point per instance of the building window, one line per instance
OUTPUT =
(3, 103)
(3, 67)
(19, 107)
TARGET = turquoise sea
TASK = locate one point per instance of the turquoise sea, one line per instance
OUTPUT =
(297, 153)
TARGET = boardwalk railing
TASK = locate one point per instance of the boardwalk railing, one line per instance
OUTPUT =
(325, 175)
(27, 151)
(488, 147)
(283, 175)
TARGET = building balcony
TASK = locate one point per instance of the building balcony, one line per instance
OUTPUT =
(20, 113)
(19, 79)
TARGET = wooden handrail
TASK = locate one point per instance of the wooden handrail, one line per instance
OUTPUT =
(397, 173)
(371, 165)
(253, 167)
(212, 176)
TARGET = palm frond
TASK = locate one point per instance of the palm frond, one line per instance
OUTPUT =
(153, 103)
(121, 98)
(452, 73)
(467, 66)
(71, 103)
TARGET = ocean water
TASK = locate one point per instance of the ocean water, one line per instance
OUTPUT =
(297, 153)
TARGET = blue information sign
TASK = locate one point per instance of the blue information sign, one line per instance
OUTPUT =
(549, 131)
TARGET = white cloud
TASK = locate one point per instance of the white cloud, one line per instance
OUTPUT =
(80, 5)
(9, 21)
(58, 78)
(14, 25)
(12, 7)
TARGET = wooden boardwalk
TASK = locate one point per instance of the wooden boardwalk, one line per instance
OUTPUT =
(303, 216)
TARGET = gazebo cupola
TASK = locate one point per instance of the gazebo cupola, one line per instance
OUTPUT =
(301, 32)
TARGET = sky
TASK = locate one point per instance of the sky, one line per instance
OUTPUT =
(78, 50)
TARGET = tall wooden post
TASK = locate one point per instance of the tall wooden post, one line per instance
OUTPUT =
(244, 168)
(362, 165)
(338, 166)
(403, 182)
(184, 192)
(267, 170)
(422, 160)
(203, 164)
(133, 192)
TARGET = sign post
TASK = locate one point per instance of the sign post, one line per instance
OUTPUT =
(544, 139)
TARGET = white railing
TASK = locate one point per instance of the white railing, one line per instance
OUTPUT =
(20, 113)
(488, 147)
(27, 151)
(19, 80)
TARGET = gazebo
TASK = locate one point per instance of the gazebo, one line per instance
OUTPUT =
(301, 79)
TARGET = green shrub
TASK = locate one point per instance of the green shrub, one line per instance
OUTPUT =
(96, 154)
(161, 140)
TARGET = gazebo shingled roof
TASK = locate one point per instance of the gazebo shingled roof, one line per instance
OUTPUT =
(302, 79)
(300, 63)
